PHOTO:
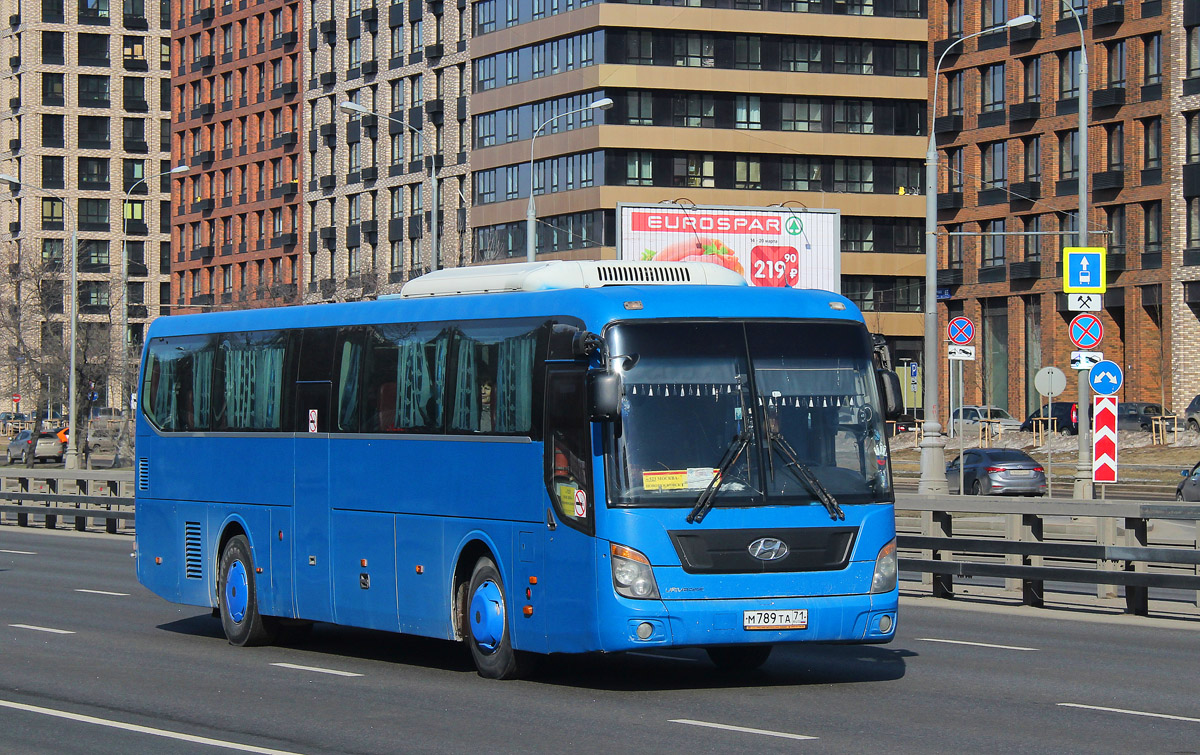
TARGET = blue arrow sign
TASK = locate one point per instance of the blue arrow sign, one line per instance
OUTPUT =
(1084, 270)
(1106, 377)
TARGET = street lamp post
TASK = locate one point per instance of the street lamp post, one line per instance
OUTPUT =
(125, 404)
(354, 107)
(531, 211)
(1083, 466)
(933, 443)
(72, 457)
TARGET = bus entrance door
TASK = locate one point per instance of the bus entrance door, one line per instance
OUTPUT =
(310, 541)
(569, 585)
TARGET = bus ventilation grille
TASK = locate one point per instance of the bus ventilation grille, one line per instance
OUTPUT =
(143, 474)
(656, 273)
(193, 561)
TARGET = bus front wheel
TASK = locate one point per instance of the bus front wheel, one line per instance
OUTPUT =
(739, 658)
(238, 598)
(487, 625)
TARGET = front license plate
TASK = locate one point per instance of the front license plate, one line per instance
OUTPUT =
(796, 618)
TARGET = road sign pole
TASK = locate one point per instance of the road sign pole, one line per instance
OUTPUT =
(1083, 467)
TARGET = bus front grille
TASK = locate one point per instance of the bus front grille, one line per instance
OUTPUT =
(192, 557)
(808, 549)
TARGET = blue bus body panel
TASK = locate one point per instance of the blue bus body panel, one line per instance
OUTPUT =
(367, 530)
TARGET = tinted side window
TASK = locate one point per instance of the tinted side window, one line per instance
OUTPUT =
(492, 388)
(251, 381)
(405, 378)
(348, 379)
(177, 384)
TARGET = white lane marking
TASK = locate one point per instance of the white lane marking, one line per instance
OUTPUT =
(42, 629)
(316, 669)
(975, 644)
(666, 657)
(20, 553)
(104, 592)
(1131, 712)
(143, 729)
(741, 729)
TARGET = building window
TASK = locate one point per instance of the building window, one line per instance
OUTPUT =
(1191, 123)
(995, 165)
(693, 170)
(1193, 223)
(693, 111)
(857, 57)
(1033, 78)
(695, 50)
(991, 243)
(639, 47)
(1193, 52)
(858, 234)
(993, 80)
(1115, 223)
(747, 172)
(1032, 240)
(954, 93)
(1032, 147)
(1152, 228)
(639, 169)
(800, 114)
(800, 173)
(747, 52)
(639, 108)
(1068, 74)
(1152, 143)
(854, 116)
(954, 18)
(1068, 157)
(748, 112)
(994, 14)
(1116, 65)
(1152, 58)
(853, 175)
(1116, 146)
(800, 55)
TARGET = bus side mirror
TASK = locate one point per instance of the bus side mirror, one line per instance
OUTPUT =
(889, 392)
(604, 395)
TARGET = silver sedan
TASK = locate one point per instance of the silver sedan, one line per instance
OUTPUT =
(997, 471)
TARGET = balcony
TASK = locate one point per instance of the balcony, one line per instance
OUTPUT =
(1113, 96)
(947, 124)
(284, 140)
(950, 200)
(1024, 271)
(203, 205)
(327, 79)
(283, 190)
(1018, 35)
(369, 67)
(942, 45)
(993, 196)
(202, 252)
(1108, 180)
(328, 182)
(136, 64)
(200, 158)
(950, 277)
(286, 89)
(1108, 15)
(1025, 191)
(132, 21)
(203, 110)
(136, 228)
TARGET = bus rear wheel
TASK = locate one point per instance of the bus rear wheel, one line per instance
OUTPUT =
(487, 625)
(238, 598)
(734, 659)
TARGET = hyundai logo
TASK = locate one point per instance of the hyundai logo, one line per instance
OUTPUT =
(768, 549)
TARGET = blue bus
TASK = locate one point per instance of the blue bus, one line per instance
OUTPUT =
(559, 457)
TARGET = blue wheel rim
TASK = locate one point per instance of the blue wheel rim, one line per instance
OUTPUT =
(487, 616)
(237, 592)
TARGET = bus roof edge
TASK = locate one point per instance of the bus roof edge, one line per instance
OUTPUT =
(563, 274)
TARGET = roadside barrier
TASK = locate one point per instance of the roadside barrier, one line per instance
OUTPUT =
(1033, 543)
(75, 494)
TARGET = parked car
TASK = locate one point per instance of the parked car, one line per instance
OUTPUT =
(1064, 413)
(973, 415)
(47, 447)
(997, 471)
(906, 423)
(1137, 415)
(1192, 415)
(7, 417)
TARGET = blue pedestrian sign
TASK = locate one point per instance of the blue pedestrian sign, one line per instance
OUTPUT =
(1084, 270)
(1106, 377)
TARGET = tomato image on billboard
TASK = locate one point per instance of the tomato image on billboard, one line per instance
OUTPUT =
(777, 266)
(697, 249)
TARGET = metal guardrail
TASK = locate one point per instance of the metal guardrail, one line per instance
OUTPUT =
(78, 495)
(1030, 542)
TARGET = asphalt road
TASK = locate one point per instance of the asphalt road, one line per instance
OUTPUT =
(92, 663)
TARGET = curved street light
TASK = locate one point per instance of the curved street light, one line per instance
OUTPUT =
(435, 250)
(531, 212)
(933, 456)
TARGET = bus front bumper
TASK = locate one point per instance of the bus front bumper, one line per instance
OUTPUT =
(700, 623)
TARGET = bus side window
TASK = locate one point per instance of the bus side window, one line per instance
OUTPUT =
(568, 455)
(348, 374)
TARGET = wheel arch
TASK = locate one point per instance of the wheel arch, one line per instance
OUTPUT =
(229, 529)
(473, 547)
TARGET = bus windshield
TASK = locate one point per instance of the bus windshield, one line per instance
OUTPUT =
(695, 392)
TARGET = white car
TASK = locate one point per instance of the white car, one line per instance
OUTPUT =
(1001, 420)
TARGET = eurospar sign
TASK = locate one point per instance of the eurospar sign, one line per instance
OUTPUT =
(770, 246)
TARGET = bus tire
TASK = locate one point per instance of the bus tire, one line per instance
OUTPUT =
(486, 620)
(733, 659)
(237, 597)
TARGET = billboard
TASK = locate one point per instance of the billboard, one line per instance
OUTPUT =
(770, 246)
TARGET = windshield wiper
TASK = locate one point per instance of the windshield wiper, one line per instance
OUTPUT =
(802, 472)
(705, 502)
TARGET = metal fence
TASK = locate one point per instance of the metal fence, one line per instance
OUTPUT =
(1034, 545)
(78, 495)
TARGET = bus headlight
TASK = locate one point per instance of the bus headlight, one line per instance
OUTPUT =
(885, 569)
(631, 572)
